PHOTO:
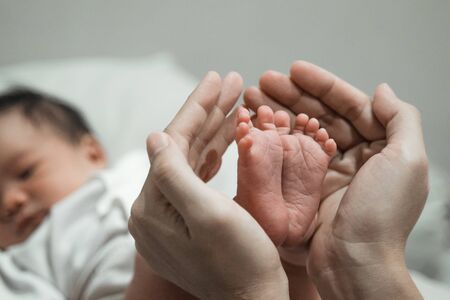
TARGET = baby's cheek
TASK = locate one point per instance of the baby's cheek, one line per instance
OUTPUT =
(48, 191)
(8, 236)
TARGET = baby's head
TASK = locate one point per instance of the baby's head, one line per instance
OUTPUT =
(47, 151)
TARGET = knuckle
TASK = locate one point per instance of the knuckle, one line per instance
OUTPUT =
(416, 112)
(147, 141)
(355, 111)
(135, 218)
(131, 227)
(413, 159)
(417, 162)
(134, 213)
(413, 110)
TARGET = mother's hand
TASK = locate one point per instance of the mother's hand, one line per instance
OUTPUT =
(188, 233)
(344, 111)
(373, 192)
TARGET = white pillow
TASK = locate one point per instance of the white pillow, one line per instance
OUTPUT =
(123, 99)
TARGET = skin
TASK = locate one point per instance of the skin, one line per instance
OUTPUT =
(38, 168)
(373, 193)
(280, 173)
(178, 222)
(173, 223)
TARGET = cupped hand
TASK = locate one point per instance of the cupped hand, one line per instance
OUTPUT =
(374, 192)
(344, 111)
(189, 233)
(204, 127)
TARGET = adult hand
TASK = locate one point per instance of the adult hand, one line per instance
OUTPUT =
(366, 212)
(190, 234)
(203, 127)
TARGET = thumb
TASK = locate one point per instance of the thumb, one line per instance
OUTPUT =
(176, 180)
(401, 120)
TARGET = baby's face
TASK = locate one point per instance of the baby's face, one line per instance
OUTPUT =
(37, 169)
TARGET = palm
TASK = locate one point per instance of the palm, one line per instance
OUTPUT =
(342, 178)
(342, 169)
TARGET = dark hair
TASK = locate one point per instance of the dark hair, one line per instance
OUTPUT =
(41, 108)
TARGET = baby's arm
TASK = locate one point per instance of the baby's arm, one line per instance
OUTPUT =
(301, 287)
(148, 285)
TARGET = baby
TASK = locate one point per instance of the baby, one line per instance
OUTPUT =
(280, 173)
(47, 152)
(78, 248)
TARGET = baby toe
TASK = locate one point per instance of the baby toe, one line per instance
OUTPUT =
(282, 122)
(241, 131)
(330, 147)
(265, 118)
(300, 123)
(321, 135)
(243, 115)
(312, 126)
(244, 145)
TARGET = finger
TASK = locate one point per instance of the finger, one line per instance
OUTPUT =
(280, 87)
(341, 97)
(189, 120)
(230, 92)
(173, 176)
(402, 122)
(210, 158)
(254, 98)
(210, 168)
(338, 128)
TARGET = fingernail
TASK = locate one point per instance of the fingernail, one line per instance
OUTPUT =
(156, 142)
(209, 74)
(389, 89)
(232, 74)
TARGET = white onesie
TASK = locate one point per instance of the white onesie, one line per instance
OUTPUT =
(83, 249)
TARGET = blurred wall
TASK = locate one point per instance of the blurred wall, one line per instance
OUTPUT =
(405, 43)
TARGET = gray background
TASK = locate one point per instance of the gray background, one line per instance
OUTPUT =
(405, 43)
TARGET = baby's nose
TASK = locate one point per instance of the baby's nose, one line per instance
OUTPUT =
(12, 201)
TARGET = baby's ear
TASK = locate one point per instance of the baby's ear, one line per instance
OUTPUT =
(93, 150)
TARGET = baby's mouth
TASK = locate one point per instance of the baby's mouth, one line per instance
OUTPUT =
(26, 223)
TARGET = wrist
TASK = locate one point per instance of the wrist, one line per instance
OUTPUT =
(275, 287)
(300, 284)
(293, 256)
(366, 271)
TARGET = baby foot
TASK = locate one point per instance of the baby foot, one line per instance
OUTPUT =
(306, 155)
(260, 166)
(280, 174)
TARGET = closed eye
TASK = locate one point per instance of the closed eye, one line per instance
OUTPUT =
(26, 173)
